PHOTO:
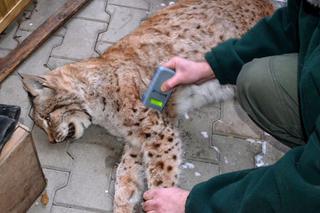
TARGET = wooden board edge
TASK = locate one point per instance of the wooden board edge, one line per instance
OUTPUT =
(16, 138)
(13, 13)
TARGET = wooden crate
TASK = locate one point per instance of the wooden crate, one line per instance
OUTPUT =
(21, 177)
(9, 10)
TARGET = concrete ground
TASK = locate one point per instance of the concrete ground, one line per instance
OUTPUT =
(218, 138)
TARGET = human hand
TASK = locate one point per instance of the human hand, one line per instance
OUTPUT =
(187, 72)
(164, 200)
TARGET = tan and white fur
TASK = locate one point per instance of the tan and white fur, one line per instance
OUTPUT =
(106, 91)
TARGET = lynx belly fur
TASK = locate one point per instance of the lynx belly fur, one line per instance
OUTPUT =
(106, 91)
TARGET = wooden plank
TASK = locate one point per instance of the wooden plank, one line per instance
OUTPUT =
(3, 9)
(17, 137)
(21, 176)
(11, 3)
(11, 12)
(37, 37)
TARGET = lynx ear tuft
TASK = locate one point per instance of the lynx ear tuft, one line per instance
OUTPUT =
(33, 84)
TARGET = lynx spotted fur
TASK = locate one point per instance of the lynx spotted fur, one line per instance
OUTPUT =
(106, 91)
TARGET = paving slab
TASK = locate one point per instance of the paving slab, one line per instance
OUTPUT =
(30, 7)
(102, 46)
(95, 10)
(55, 180)
(12, 93)
(3, 53)
(52, 156)
(235, 154)
(138, 4)
(42, 11)
(7, 40)
(194, 172)
(234, 121)
(269, 154)
(89, 180)
(20, 35)
(274, 142)
(111, 186)
(60, 209)
(81, 34)
(36, 64)
(280, 3)
(196, 133)
(98, 135)
(159, 4)
(123, 21)
(54, 62)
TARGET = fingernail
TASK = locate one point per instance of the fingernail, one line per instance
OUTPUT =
(163, 88)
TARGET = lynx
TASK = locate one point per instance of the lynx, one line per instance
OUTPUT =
(107, 90)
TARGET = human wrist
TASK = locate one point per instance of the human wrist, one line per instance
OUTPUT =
(206, 70)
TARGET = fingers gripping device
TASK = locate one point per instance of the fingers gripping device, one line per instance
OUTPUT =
(153, 96)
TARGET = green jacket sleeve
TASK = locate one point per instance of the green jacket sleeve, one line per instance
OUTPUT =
(291, 185)
(273, 35)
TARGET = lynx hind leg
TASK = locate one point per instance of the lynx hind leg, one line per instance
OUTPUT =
(162, 157)
(129, 181)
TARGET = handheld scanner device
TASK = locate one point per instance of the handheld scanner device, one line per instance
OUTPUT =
(154, 97)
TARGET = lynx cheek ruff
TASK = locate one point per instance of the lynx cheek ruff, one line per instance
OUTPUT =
(154, 97)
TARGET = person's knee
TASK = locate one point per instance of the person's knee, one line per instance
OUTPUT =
(252, 80)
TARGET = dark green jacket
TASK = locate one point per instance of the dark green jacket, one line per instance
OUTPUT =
(293, 183)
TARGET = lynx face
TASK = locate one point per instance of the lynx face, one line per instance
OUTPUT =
(58, 112)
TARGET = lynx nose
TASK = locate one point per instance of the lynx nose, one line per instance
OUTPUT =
(51, 139)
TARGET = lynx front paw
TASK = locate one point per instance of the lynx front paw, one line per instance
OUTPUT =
(123, 208)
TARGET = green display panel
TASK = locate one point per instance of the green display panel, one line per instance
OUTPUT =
(156, 102)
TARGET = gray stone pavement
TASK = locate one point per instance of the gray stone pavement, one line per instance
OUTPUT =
(217, 139)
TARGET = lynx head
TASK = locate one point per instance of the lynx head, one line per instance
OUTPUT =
(57, 108)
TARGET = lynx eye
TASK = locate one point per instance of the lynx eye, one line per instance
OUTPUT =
(48, 120)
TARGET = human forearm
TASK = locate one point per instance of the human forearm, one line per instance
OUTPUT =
(273, 35)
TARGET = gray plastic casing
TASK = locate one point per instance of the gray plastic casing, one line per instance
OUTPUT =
(154, 92)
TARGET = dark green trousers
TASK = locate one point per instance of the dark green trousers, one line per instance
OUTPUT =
(268, 91)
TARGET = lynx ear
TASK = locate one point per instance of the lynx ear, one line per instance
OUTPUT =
(33, 84)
